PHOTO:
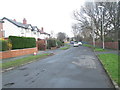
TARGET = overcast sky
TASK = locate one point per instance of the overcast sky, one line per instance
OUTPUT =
(55, 15)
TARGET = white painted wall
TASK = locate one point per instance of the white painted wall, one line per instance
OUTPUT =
(28, 33)
(10, 29)
(33, 34)
(22, 32)
(43, 36)
(38, 34)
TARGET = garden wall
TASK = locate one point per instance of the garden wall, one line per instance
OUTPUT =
(18, 52)
(111, 45)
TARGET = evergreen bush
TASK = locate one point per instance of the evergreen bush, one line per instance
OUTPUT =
(4, 45)
(22, 42)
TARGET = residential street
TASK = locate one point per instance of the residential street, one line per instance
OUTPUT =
(77, 67)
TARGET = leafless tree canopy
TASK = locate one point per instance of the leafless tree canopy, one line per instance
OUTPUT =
(89, 18)
(61, 36)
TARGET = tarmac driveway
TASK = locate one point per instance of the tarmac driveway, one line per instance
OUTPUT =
(76, 67)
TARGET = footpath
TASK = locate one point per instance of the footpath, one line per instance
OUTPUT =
(55, 51)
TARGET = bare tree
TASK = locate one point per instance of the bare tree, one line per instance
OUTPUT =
(90, 13)
(61, 36)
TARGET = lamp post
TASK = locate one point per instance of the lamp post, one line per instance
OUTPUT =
(118, 25)
(102, 29)
(93, 34)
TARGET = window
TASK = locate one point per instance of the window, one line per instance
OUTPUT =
(34, 32)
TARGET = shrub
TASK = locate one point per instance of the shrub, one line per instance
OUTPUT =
(59, 43)
(9, 44)
(4, 45)
(109, 39)
(22, 42)
(41, 45)
(51, 43)
(48, 44)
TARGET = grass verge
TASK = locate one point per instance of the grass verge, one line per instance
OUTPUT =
(110, 63)
(100, 50)
(87, 45)
(64, 48)
(97, 49)
(22, 61)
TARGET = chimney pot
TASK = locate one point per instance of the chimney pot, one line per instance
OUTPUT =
(24, 21)
(42, 29)
(14, 19)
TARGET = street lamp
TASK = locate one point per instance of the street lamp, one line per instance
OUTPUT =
(93, 34)
(102, 29)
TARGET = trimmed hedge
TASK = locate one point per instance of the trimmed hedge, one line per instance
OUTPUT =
(54, 43)
(59, 43)
(22, 42)
(3, 45)
(51, 43)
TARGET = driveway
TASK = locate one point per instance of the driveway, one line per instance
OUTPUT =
(77, 67)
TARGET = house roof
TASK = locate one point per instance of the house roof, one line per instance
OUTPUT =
(1, 21)
(19, 24)
(35, 27)
(42, 32)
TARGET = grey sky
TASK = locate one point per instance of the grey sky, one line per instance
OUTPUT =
(53, 15)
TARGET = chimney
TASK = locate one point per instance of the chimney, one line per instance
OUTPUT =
(1, 26)
(14, 20)
(41, 28)
(24, 21)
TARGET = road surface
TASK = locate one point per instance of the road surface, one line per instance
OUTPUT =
(77, 67)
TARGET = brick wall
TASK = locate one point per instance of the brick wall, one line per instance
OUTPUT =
(15, 53)
(1, 28)
(1, 34)
(111, 45)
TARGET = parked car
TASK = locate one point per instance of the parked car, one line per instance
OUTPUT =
(80, 43)
(72, 42)
(75, 44)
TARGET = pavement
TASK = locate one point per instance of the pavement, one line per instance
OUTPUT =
(77, 67)
(39, 52)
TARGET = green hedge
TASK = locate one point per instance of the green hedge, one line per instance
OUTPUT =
(22, 42)
(51, 43)
(3, 45)
(54, 43)
(59, 43)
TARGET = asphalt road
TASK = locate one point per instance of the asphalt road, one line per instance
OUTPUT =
(77, 67)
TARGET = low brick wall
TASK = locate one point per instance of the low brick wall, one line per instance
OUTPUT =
(52, 48)
(18, 52)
